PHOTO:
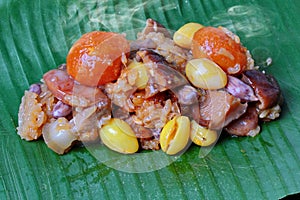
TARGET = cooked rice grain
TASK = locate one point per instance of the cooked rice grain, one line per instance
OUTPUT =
(167, 48)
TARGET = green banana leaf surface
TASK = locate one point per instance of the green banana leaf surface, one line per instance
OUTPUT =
(35, 36)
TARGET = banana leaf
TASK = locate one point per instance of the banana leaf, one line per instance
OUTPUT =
(35, 36)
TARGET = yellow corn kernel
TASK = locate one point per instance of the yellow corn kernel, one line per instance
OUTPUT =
(201, 135)
(118, 136)
(141, 71)
(175, 135)
(183, 37)
(204, 73)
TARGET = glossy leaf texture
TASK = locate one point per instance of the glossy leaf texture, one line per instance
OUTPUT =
(35, 36)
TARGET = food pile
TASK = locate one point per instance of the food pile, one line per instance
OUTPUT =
(160, 91)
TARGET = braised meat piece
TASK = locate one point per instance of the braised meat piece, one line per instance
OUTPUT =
(187, 95)
(161, 75)
(265, 87)
(246, 125)
(219, 108)
(239, 89)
